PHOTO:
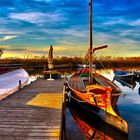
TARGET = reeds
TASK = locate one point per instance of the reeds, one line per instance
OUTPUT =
(107, 61)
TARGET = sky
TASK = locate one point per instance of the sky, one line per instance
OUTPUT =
(29, 27)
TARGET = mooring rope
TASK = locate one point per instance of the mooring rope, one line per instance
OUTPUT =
(77, 99)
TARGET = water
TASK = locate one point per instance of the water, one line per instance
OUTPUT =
(129, 109)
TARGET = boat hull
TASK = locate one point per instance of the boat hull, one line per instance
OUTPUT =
(114, 121)
(92, 125)
(12, 82)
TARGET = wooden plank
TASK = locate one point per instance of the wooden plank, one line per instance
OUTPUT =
(33, 112)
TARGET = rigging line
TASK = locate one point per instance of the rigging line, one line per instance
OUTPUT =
(104, 68)
(102, 64)
(77, 99)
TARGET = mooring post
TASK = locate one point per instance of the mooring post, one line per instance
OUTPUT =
(20, 86)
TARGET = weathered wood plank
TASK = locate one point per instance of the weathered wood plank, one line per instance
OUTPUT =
(33, 112)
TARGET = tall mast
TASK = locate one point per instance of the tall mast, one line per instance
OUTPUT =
(90, 53)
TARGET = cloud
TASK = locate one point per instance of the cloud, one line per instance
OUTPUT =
(74, 31)
(5, 46)
(8, 37)
(65, 24)
(115, 21)
(42, 0)
(135, 22)
(38, 17)
(17, 49)
(6, 32)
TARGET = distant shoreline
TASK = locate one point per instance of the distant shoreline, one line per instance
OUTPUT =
(108, 62)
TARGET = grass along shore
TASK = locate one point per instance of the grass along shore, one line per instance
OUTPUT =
(108, 61)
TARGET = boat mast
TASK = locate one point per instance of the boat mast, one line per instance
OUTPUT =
(90, 52)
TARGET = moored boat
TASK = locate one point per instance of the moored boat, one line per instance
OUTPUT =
(94, 91)
(96, 97)
(12, 81)
(123, 74)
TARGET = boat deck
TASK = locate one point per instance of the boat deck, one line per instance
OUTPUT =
(33, 113)
(107, 82)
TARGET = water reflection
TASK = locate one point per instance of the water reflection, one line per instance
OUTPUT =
(128, 106)
(131, 83)
(92, 126)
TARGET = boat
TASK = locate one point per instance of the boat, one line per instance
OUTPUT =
(123, 74)
(137, 73)
(12, 81)
(97, 98)
(95, 91)
(92, 126)
(81, 80)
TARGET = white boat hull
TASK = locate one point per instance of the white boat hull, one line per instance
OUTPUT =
(9, 82)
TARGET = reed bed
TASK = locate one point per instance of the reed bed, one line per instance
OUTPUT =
(107, 61)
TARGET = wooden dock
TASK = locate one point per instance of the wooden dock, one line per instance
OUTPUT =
(33, 113)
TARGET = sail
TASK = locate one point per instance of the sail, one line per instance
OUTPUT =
(50, 55)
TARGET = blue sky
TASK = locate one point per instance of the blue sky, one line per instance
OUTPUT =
(29, 27)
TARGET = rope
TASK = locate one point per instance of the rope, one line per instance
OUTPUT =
(77, 99)
(102, 64)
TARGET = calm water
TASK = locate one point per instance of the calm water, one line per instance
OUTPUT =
(128, 106)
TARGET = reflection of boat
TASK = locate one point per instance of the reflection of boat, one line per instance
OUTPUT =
(131, 83)
(10, 82)
(92, 126)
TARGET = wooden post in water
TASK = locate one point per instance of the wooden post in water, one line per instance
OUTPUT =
(90, 53)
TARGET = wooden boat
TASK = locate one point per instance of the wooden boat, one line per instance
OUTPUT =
(81, 80)
(92, 126)
(96, 97)
(12, 81)
(93, 90)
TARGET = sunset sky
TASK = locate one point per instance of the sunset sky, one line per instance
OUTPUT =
(29, 27)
